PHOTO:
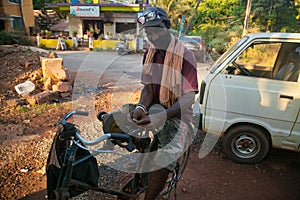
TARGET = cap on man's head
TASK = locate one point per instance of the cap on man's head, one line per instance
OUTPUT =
(154, 17)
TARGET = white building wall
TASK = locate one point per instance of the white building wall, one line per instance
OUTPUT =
(110, 28)
(125, 17)
(75, 24)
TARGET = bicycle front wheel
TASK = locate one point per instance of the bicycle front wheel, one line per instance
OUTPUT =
(175, 176)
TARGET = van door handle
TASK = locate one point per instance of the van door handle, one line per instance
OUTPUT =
(286, 97)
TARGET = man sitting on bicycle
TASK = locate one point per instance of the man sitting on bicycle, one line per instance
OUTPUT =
(169, 76)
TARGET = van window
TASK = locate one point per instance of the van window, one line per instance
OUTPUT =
(230, 51)
(267, 60)
(259, 55)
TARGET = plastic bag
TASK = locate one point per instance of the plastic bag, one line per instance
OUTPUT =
(25, 88)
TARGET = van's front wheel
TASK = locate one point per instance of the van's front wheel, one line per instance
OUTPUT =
(246, 144)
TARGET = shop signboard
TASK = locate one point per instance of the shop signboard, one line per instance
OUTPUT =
(85, 11)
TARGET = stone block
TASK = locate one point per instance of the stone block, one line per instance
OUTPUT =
(43, 97)
(53, 68)
(48, 84)
(65, 94)
(62, 87)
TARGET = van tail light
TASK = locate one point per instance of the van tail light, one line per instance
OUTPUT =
(202, 90)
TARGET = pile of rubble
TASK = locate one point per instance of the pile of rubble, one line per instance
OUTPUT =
(57, 83)
(23, 67)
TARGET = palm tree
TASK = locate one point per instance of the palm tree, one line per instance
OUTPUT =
(176, 9)
(189, 26)
(248, 9)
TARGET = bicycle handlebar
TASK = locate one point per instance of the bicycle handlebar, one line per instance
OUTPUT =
(74, 112)
(84, 113)
(116, 136)
(120, 136)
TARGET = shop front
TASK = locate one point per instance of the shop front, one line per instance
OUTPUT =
(101, 21)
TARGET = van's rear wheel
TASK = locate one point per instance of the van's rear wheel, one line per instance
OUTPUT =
(246, 144)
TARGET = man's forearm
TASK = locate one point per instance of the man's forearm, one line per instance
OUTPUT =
(146, 96)
(185, 102)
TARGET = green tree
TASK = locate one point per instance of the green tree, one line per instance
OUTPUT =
(219, 12)
(215, 16)
(216, 19)
(40, 4)
(189, 26)
(275, 15)
(176, 9)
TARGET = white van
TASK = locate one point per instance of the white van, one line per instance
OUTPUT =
(251, 96)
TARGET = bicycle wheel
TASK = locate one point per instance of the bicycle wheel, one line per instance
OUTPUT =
(175, 176)
(137, 185)
(171, 182)
(140, 181)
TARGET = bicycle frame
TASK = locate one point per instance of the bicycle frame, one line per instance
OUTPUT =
(132, 189)
(66, 180)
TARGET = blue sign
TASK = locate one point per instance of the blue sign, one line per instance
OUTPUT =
(181, 26)
(140, 13)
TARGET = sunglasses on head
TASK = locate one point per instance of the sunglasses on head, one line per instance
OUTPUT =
(150, 16)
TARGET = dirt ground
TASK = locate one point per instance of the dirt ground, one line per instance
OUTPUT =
(26, 134)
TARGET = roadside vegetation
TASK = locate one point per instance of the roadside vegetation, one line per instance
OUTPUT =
(9, 38)
(221, 22)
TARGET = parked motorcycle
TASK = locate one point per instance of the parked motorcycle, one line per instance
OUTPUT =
(123, 48)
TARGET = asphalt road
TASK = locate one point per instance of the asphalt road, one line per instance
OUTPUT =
(104, 65)
(99, 61)
(124, 69)
(109, 68)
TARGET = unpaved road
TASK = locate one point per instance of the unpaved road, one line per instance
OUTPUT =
(29, 132)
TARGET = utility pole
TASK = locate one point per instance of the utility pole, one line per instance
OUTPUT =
(246, 20)
(139, 38)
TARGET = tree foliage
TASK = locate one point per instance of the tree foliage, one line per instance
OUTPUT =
(9, 38)
(221, 22)
(176, 9)
(275, 15)
(219, 12)
(216, 19)
(41, 4)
